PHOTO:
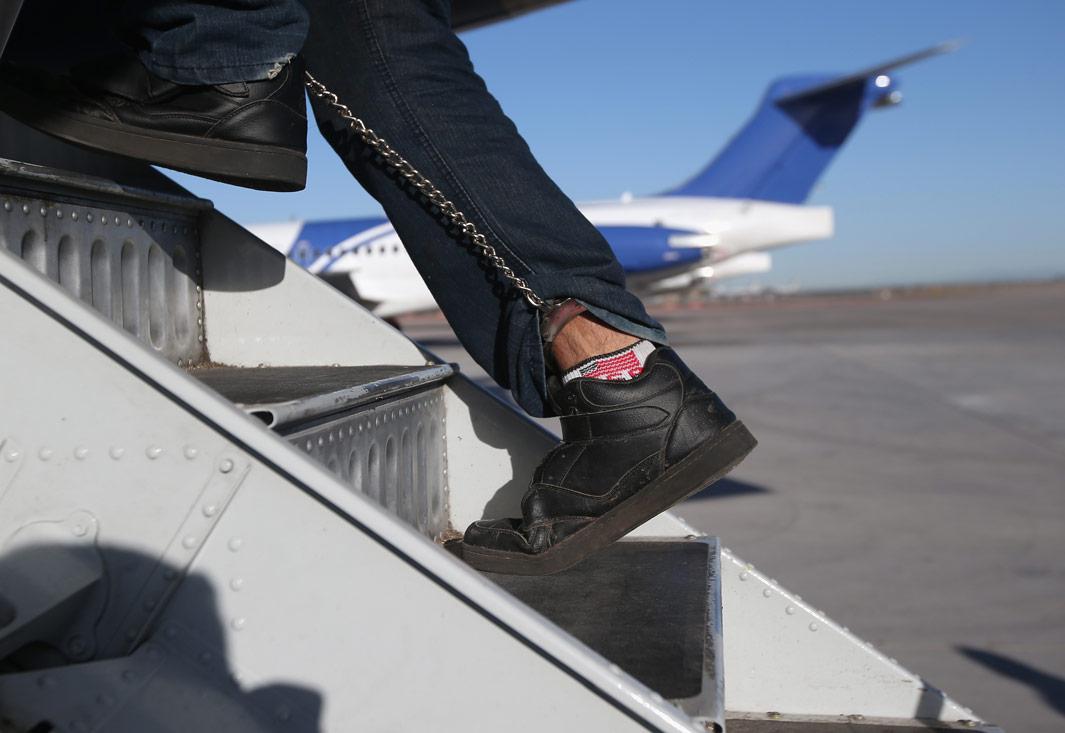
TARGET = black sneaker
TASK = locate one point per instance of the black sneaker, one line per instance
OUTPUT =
(248, 133)
(630, 450)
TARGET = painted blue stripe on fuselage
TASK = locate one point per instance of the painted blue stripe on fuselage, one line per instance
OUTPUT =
(317, 238)
(638, 249)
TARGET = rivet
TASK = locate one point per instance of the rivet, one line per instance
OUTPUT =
(46, 680)
(189, 541)
(235, 544)
(81, 453)
(225, 466)
(813, 626)
(58, 214)
(7, 206)
(45, 454)
(129, 222)
(767, 592)
(116, 452)
(11, 456)
(238, 623)
(236, 583)
(44, 211)
(74, 215)
(773, 715)
(744, 575)
(88, 217)
(79, 530)
(103, 220)
(790, 610)
(191, 452)
(25, 208)
(153, 452)
(209, 510)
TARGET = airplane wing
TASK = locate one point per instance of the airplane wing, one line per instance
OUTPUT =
(466, 14)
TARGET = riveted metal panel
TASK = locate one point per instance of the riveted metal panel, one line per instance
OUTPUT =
(137, 267)
(393, 453)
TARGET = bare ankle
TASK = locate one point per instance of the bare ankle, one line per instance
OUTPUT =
(586, 337)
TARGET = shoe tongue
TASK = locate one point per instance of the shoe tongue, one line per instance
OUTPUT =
(122, 76)
(234, 89)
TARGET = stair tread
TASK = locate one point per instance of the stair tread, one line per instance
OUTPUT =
(291, 394)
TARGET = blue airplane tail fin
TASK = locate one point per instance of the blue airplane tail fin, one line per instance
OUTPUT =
(800, 125)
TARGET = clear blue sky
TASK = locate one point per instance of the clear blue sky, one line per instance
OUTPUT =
(964, 180)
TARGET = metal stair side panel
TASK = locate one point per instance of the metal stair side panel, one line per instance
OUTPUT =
(261, 309)
(282, 571)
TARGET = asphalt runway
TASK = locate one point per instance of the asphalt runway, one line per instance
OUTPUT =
(910, 477)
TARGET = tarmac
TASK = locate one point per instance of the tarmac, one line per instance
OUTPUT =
(910, 477)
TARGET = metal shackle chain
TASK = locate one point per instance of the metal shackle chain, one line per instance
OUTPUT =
(409, 173)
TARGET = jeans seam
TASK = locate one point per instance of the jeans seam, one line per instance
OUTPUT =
(411, 119)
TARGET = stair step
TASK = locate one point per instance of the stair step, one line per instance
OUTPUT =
(131, 254)
(651, 606)
(379, 429)
(286, 398)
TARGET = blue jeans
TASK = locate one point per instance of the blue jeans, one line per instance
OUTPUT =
(398, 65)
(215, 41)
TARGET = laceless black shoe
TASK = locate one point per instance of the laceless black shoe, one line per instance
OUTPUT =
(250, 134)
(630, 450)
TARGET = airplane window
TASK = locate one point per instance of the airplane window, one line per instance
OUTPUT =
(395, 248)
(303, 250)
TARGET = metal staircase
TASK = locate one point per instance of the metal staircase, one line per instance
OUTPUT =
(224, 489)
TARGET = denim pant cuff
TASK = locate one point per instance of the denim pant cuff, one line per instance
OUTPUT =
(208, 75)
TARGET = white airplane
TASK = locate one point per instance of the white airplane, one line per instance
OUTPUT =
(719, 224)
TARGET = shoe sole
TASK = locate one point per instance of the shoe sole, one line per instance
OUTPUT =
(701, 468)
(264, 167)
